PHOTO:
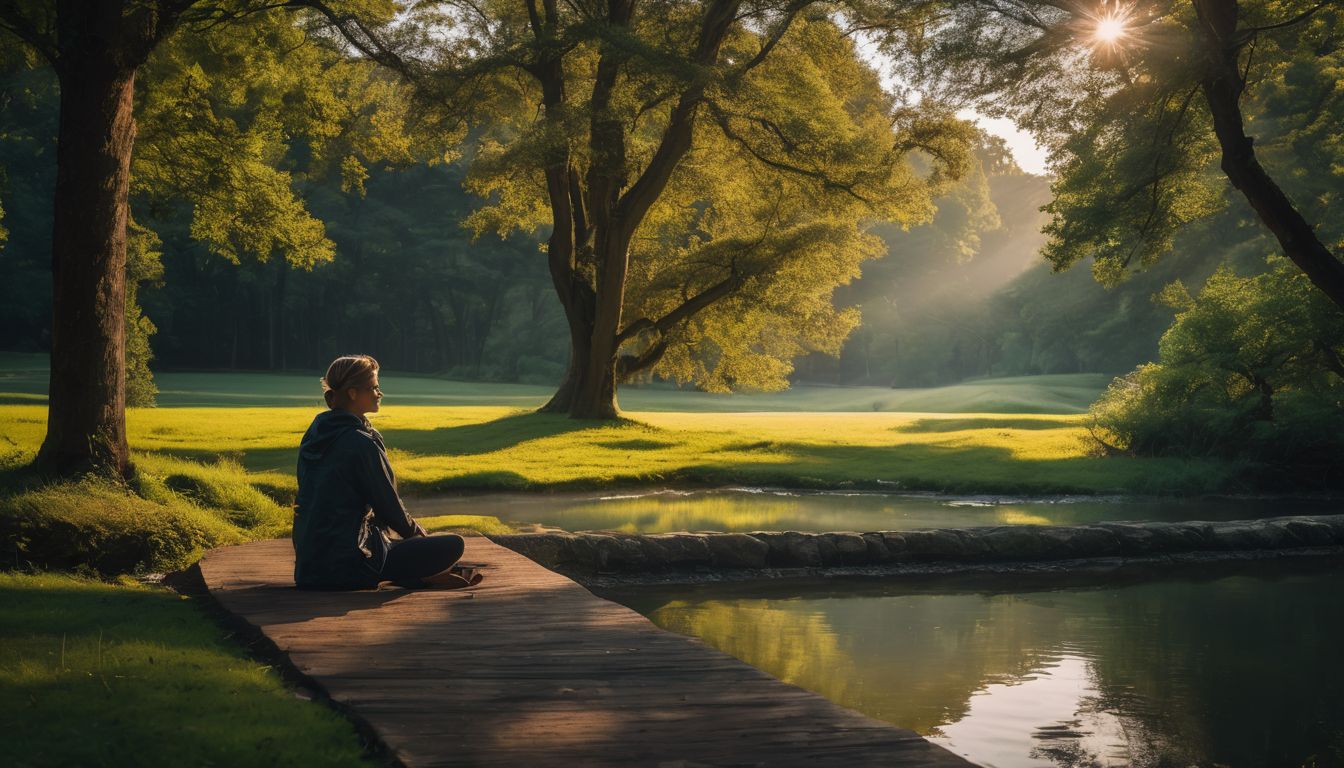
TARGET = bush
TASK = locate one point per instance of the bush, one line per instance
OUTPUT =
(1253, 369)
(101, 525)
(224, 487)
(164, 519)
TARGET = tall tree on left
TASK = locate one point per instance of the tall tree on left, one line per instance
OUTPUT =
(96, 48)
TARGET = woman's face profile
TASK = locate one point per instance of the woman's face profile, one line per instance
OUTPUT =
(365, 399)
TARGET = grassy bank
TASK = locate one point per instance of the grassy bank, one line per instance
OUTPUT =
(93, 673)
(437, 449)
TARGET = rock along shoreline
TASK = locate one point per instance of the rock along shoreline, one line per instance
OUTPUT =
(600, 557)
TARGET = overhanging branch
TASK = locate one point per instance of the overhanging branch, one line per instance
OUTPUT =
(683, 311)
(723, 120)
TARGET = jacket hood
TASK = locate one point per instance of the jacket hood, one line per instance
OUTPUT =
(326, 429)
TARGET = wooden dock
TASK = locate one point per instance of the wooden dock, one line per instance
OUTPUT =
(531, 669)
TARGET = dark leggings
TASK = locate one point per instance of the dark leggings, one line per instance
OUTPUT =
(411, 560)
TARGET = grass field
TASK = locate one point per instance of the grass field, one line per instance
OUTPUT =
(93, 673)
(976, 437)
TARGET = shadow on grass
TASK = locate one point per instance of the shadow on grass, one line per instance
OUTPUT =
(20, 398)
(961, 469)
(253, 460)
(18, 477)
(489, 436)
(958, 425)
(635, 445)
(492, 480)
(461, 440)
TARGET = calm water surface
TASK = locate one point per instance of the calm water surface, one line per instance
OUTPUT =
(755, 509)
(1207, 670)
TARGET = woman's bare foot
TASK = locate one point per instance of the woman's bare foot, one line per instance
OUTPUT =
(446, 580)
(470, 573)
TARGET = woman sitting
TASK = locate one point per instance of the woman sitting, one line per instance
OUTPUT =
(348, 500)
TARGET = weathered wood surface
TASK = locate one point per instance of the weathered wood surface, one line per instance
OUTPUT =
(530, 669)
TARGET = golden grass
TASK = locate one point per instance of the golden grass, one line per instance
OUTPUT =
(450, 448)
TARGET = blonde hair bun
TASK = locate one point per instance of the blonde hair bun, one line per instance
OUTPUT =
(347, 371)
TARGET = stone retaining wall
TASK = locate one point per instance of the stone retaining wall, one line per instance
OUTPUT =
(618, 553)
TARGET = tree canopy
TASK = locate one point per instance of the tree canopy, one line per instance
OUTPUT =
(96, 53)
(1138, 125)
(707, 170)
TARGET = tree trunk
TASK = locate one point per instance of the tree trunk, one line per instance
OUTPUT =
(579, 313)
(275, 332)
(1222, 87)
(86, 423)
(594, 217)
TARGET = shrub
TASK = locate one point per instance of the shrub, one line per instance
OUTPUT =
(1252, 369)
(101, 525)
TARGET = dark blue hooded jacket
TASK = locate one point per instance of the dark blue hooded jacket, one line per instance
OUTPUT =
(347, 501)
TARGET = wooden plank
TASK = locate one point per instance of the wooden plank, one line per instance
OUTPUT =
(531, 669)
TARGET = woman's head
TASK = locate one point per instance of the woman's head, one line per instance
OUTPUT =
(351, 384)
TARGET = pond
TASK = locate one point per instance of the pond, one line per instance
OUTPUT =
(764, 509)
(1210, 667)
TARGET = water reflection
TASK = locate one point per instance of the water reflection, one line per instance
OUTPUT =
(1235, 670)
(754, 509)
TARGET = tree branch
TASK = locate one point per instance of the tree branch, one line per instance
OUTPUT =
(1298, 19)
(683, 311)
(365, 40)
(723, 120)
(676, 140)
(13, 21)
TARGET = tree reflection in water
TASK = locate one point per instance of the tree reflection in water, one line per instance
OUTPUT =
(757, 509)
(1236, 670)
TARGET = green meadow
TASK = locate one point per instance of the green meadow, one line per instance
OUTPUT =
(1018, 435)
(122, 674)
(215, 461)
(214, 465)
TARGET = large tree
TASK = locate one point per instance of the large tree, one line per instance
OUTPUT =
(96, 50)
(1139, 104)
(707, 170)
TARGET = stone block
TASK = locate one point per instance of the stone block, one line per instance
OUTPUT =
(736, 550)
(791, 549)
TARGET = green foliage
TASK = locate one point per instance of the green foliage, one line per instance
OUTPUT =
(795, 152)
(1130, 135)
(146, 678)
(28, 107)
(103, 526)
(795, 235)
(143, 265)
(231, 115)
(410, 288)
(1252, 368)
